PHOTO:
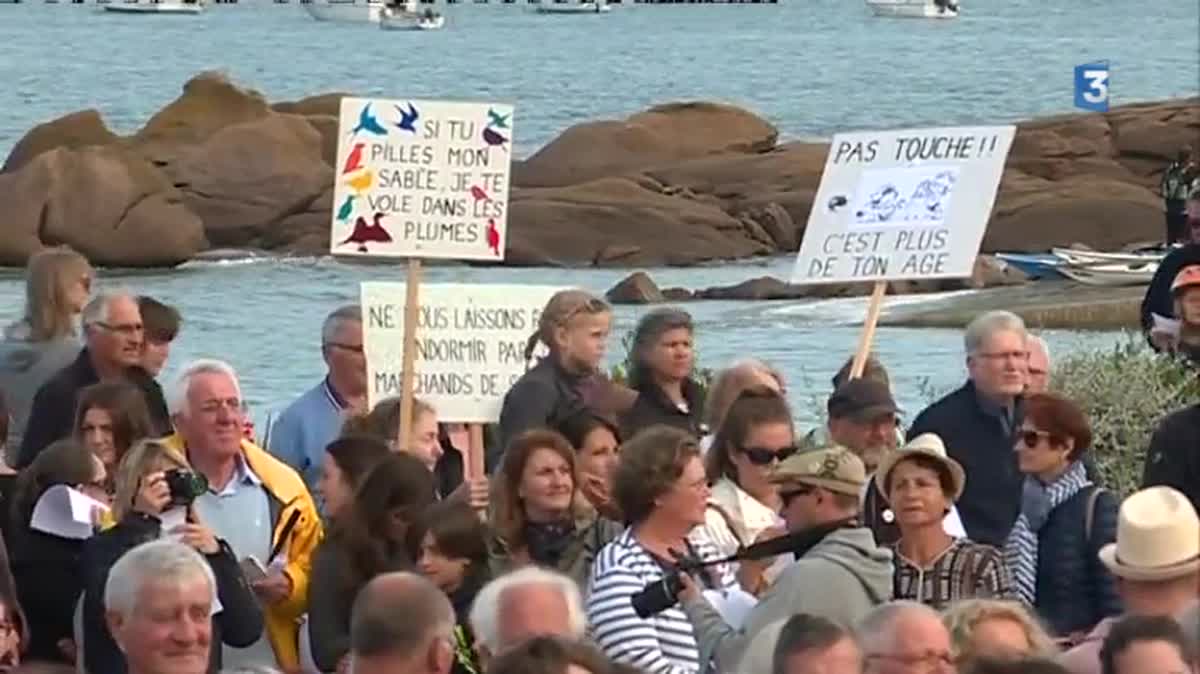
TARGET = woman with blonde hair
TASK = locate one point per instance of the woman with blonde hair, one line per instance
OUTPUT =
(58, 283)
(146, 508)
(994, 628)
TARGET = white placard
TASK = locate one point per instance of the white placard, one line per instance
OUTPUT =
(422, 179)
(66, 512)
(905, 204)
(470, 344)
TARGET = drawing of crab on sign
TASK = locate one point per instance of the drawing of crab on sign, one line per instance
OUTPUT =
(422, 179)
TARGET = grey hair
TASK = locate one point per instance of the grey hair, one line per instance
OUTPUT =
(159, 561)
(99, 308)
(875, 631)
(350, 313)
(177, 403)
(1031, 338)
(485, 611)
(984, 326)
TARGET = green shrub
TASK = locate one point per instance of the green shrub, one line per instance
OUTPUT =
(1126, 390)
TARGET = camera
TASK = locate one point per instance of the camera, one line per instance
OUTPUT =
(663, 593)
(184, 486)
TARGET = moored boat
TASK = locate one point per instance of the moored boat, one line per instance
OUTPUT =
(1110, 274)
(585, 7)
(406, 17)
(155, 7)
(915, 9)
(345, 11)
(1035, 266)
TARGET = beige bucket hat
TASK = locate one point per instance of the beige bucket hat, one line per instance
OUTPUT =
(1158, 537)
(929, 445)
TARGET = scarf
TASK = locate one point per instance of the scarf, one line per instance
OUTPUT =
(547, 542)
(1037, 502)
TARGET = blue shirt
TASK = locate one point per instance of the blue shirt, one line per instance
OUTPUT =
(299, 435)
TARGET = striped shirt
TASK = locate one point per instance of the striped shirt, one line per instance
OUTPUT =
(965, 570)
(661, 644)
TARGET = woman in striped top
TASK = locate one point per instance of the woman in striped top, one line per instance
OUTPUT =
(661, 487)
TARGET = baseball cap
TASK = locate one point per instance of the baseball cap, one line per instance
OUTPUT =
(862, 399)
(834, 468)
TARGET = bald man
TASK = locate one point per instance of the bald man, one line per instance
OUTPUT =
(401, 624)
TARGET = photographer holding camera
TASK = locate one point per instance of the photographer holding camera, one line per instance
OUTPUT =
(839, 574)
(154, 492)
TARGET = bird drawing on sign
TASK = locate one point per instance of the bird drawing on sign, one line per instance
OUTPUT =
(493, 236)
(362, 182)
(354, 161)
(408, 118)
(497, 120)
(368, 123)
(364, 233)
(494, 138)
(836, 203)
(479, 194)
(347, 208)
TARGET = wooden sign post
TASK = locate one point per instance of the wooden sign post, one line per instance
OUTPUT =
(420, 179)
(901, 205)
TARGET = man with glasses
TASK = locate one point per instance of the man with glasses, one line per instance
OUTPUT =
(841, 577)
(113, 334)
(300, 434)
(977, 423)
(905, 637)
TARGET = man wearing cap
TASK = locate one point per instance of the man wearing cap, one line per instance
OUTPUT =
(1159, 298)
(1156, 560)
(841, 575)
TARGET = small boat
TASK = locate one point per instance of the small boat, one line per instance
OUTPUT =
(1111, 275)
(406, 17)
(1077, 257)
(585, 7)
(1035, 266)
(155, 7)
(345, 11)
(915, 9)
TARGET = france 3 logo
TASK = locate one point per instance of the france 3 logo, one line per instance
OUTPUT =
(1091, 86)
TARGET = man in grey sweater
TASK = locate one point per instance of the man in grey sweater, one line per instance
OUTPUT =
(841, 578)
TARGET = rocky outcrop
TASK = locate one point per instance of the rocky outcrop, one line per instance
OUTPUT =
(639, 288)
(677, 184)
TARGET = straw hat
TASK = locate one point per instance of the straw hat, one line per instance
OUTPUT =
(1158, 537)
(928, 445)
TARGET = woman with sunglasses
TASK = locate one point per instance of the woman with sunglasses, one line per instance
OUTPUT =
(1064, 521)
(755, 435)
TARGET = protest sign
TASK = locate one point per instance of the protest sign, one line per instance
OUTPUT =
(469, 348)
(422, 179)
(907, 204)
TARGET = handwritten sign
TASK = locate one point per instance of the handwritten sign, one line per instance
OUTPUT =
(905, 204)
(470, 345)
(422, 179)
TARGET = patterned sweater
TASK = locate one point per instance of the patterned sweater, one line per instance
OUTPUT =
(966, 570)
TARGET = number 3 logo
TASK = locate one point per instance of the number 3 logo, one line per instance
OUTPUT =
(1097, 89)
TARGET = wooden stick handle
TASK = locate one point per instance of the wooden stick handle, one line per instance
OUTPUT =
(412, 308)
(476, 466)
(868, 333)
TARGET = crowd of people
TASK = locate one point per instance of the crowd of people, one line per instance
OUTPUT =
(661, 524)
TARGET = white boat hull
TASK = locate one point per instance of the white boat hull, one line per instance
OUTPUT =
(1110, 275)
(579, 8)
(154, 8)
(913, 9)
(345, 12)
(410, 21)
(1088, 257)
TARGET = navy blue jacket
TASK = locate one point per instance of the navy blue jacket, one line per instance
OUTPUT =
(979, 441)
(1174, 456)
(1074, 589)
(1158, 297)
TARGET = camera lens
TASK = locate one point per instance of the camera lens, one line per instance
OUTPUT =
(657, 596)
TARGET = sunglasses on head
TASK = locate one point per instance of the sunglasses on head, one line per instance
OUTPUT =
(763, 457)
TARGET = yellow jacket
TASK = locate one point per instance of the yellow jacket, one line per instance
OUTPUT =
(287, 494)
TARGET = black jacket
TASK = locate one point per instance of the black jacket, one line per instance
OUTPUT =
(1174, 456)
(979, 441)
(1074, 589)
(52, 414)
(239, 624)
(448, 472)
(543, 397)
(1158, 298)
(653, 408)
(48, 575)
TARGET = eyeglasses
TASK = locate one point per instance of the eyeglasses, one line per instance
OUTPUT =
(1004, 355)
(928, 662)
(123, 328)
(1030, 437)
(760, 456)
(353, 348)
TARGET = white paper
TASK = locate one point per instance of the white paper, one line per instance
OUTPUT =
(733, 605)
(66, 512)
(1164, 325)
(170, 519)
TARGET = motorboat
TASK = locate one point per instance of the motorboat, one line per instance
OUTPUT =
(345, 11)
(1034, 265)
(585, 7)
(155, 7)
(915, 9)
(406, 17)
